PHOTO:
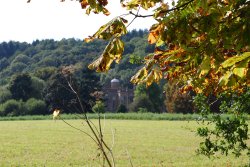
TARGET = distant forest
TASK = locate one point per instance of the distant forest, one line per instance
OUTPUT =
(48, 55)
(30, 72)
(31, 82)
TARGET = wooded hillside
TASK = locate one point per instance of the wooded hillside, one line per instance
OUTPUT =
(31, 82)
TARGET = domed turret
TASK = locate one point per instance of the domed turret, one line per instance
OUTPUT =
(115, 83)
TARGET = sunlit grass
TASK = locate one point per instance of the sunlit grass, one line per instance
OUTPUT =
(148, 143)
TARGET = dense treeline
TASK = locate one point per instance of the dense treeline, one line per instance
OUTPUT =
(42, 57)
(31, 82)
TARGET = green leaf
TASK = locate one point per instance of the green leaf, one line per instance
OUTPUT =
(160, 42)
(173, 3)
(241, 69)
(235, 59)
(205, 66)
(225, 79)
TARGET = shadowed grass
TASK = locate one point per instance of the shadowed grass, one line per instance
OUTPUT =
(148, 143)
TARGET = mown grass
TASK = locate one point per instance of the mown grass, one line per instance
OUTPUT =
(148, 143)
(123, 116)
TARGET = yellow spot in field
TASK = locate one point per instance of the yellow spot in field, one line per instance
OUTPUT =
(56, 113)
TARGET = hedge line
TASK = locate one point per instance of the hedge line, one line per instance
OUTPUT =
(120, 116)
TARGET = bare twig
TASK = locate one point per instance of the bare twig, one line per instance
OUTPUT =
(113, 138)
(164, 11)
(134, 17)
(97, 134)
(213, 102)
(129, 157)
(78, 130)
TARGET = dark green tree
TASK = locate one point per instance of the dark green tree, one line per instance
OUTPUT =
(89, 85)
(57, 94)
(17, 67)
(38, 85)
(21, 87)
(150, 98)
(122, 109)
(3, 63)
(142, 101)
(235, 103)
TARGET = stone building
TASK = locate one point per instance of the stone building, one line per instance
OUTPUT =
(115, 95)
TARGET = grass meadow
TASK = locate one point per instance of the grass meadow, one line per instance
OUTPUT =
(149, 143)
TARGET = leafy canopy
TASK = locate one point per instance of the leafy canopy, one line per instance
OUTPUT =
(204, 44)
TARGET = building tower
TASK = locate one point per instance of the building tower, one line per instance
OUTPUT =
(115, 84)
(115, 96)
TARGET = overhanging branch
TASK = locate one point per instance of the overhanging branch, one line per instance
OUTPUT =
(163, 11)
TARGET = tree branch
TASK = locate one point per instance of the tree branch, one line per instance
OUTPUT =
(163, 11)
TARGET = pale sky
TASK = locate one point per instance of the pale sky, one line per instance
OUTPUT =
(52, 19)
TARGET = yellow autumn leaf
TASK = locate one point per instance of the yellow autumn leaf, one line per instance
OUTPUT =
(102, 64)
(157, 75)
(116, 50)
(148, 4)
(153, 76)
(155, 33)
(106, 12)
(132, 4)
(198, 90)
(240, 72)
(84, 4)
(140, 75)
(152, 38)
(149, 79)
(113, 52)
(114, 28)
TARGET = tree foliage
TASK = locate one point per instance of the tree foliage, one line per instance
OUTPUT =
(99, 107)
(175, 101)
(57, 94)
(225, 135)
(204, 43)
(233, 103)
(14, 107)
(21, 87)
(89, 86)
(42, 58)
(150, 98)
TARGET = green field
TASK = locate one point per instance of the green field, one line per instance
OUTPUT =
(149, 143)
